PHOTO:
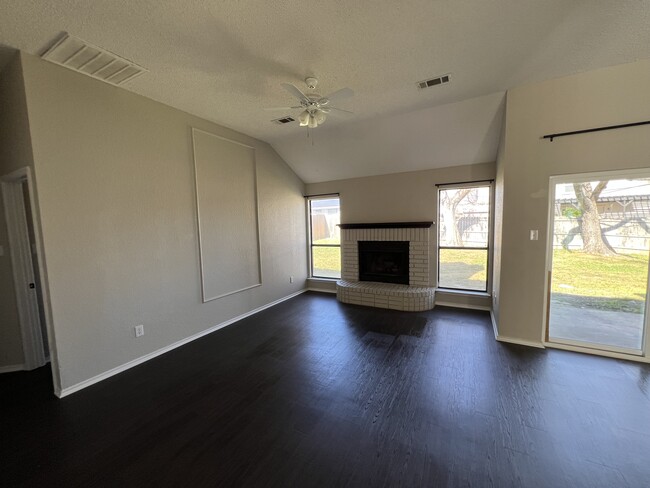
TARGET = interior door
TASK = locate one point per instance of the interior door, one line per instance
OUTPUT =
(16, 211)
(598, 261)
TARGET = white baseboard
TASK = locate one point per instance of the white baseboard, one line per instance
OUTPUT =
(112, 372)
(12, 368)
(321, 285)
(442, 303)
(521, 342)
(495, 327)
(597, 352)
(512, 340)
(321, 290)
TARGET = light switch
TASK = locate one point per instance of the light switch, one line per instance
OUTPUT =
(534, 235)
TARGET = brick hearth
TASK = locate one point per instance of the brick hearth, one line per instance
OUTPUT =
(417, 296)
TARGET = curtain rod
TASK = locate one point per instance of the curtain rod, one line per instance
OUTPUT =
(473, 182)
(322, 195)
(595, 129)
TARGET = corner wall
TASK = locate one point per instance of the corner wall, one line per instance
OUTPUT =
(604, 97)
(497, 240)
(115, 181)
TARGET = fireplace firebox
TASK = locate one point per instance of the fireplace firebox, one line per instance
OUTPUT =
(384, 261)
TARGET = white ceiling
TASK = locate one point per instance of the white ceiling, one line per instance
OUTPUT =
(224, 61)
(453, 134)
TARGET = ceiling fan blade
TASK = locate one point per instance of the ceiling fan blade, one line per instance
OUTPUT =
(273, 109)
(339, 111)
(341, 94)
(293, 90)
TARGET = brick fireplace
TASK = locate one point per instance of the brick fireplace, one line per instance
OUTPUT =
(417, 295)
(384, 261)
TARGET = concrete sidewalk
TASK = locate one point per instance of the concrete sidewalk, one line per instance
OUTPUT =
(620, 329)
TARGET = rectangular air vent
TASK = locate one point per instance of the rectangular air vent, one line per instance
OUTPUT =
(284, 120)
(440, 80)
(78, 55)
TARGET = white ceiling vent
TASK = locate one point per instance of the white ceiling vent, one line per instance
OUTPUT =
(94, 61)
(440, 80)
(284, 120)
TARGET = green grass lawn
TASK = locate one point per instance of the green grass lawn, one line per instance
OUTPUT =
(327, 260)
(605, 282)
(609, 282)
(464, 269)
(621, 276)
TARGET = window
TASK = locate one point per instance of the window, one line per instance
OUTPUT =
(325, 236)
(464, 236)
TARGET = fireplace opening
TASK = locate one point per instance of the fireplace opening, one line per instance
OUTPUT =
(384, 261)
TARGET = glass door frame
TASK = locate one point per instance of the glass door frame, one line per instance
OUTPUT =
(594, 348)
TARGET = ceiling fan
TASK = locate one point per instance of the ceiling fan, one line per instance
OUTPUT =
(315, 108)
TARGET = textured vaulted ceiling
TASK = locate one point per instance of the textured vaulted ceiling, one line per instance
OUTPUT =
(225, 60)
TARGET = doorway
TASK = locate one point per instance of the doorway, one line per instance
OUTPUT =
(598, 257)
(17, 198)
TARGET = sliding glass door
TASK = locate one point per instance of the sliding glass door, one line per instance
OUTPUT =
(598, 261)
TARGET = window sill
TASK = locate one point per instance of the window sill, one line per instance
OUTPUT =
(323, 280)
(468, 293)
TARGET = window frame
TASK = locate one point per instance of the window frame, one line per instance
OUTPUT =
(310, 243)
(489, 246)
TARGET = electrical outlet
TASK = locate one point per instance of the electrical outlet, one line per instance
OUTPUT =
(290, 279)
(139, 330)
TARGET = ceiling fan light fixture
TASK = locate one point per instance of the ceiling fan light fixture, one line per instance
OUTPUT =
(315, 108)
(303, 119)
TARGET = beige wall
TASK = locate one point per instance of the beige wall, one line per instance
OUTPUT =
(15, 152)
(11, 346)
(497, 240)
(404, 197)
(597, 98)
(400, 197)
(116, 190)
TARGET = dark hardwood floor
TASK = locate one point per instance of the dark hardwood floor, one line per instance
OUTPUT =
(316, 393)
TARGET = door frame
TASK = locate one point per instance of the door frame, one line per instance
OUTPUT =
(23, 271)
(613, 351)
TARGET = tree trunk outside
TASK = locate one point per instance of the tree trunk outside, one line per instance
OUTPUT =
(590, 230)
(453, 234)
(448, 206)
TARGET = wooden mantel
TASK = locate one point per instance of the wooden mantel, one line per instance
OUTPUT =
(388, 225)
